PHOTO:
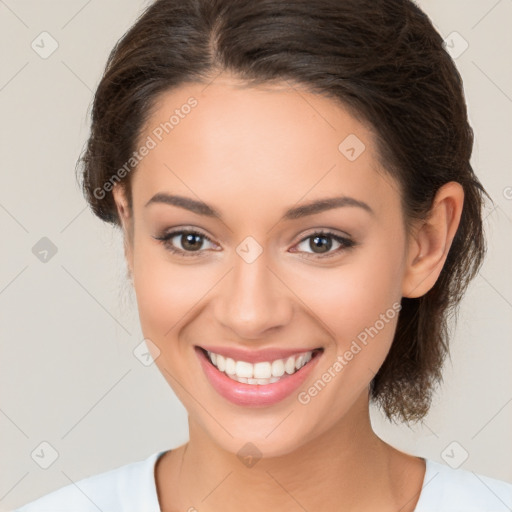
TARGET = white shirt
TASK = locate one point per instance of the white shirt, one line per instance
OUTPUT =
(132, 488)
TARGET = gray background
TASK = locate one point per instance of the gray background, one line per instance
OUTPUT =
(69, 326)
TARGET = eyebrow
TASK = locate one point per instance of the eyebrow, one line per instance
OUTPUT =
(311, 208)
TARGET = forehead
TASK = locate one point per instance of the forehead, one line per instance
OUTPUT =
(277, 144)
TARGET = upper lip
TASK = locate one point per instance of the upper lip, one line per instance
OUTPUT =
(256, 356)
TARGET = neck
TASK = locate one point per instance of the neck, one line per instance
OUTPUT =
(348, 467)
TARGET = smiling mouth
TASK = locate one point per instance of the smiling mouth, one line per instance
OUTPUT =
(262, 372)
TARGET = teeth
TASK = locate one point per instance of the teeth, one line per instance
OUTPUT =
(254, 381)
(289, 366)
(243, 369)
(265, 372)
(262, 371)
(221, 362)
(230, 366)
(278, 368)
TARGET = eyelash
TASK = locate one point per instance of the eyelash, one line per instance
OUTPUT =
(346, 243)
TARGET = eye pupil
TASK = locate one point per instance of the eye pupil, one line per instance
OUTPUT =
(318, 243)
(192, 241)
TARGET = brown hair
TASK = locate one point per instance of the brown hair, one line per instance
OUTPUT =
(384, 60)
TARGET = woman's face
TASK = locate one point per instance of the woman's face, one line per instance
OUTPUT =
(254, 278)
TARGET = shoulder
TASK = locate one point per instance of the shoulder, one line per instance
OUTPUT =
(452, 490)
(128, 488)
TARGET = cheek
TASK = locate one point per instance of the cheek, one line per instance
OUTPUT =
(353, 296)
(359, 304)
(166, 292)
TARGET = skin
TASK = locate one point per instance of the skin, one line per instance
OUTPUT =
(251, 153)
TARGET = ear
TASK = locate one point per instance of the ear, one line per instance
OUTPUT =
(126, 218)
(431, 240)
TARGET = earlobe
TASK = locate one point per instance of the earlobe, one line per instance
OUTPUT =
(431, 240)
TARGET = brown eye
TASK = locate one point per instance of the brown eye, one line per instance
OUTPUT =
(190, 241)
(183, 242)
(321, 243)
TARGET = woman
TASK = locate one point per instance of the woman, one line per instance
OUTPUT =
(300, 217)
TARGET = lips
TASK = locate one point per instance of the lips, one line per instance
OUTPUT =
(255, 394)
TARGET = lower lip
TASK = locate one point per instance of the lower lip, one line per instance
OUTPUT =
(254, 395)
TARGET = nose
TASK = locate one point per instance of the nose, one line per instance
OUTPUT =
(253, 300)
